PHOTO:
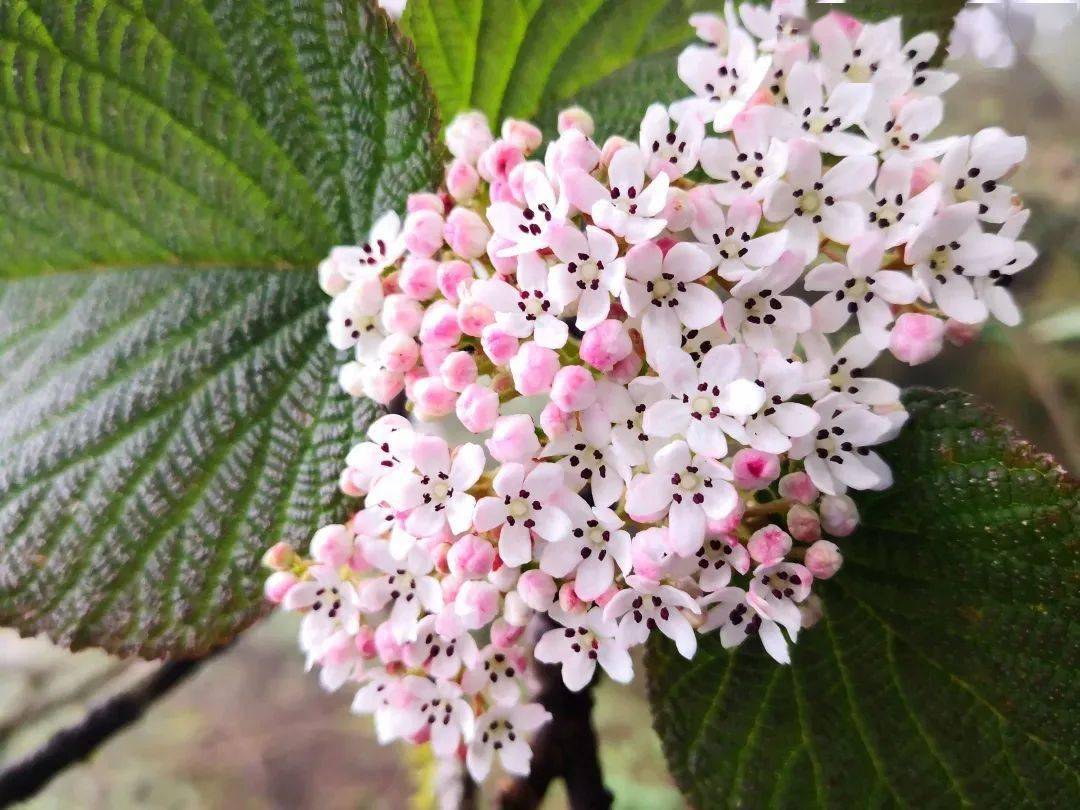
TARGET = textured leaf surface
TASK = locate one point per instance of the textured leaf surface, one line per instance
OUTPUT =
(944, 671)
(518, 57)
(231, 131)
(162, 427)
(167, 417)
(531, 58)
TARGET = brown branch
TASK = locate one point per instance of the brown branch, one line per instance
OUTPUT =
(24, 778)
(566, 747)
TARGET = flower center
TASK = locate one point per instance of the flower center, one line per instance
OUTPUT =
(810, 202)
(440, 490)
(689, 481)
(518, 508)
(701, 404)
(662, 288)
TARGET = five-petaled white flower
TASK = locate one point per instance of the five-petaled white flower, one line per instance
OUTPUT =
(627, 206)
(837, 455)
(501, 731)
(646, 606)
(589, 272)
(525, 503)
(582, 642)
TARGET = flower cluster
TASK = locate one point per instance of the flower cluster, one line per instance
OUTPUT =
(639, 372)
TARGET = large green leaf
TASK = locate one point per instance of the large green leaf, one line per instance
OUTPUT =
(530, 58)
(944, 671)
(230, 131)
(167, 417)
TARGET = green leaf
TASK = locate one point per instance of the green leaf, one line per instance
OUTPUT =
(944, 671)
(531, 58)
(167, 417)
(253, 132)
(162, 427)
(518, 57)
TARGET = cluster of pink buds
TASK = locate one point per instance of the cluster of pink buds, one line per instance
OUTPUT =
(638, 373)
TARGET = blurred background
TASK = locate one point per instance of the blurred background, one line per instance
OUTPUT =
(251, 730)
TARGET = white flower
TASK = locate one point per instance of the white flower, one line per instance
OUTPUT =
(384, 246)
(673, 152)
(717, 559)
(625, 407)
(691, 490)
(730, 239)
(731, 611)
(595, 545)
(388, 447)
(905, 131)
(812, 204)
(742, 164)
(993, 288)
(526, 228)
(647, 606)
(663, 290)
(759, 312)
(356, 316)
(860, 288)
(843, 371)
(807, 113)
(891, 209)
(707, 400)
(387, 698)
(528, 308)
(501, 730)
(918, 53)
(982, 34)
(722, 82)
(586, 456)
(405, 584)
(873, 57)
(583, 641)
(525, 503)
(972, 168)
(329, 603)
(836, 457)
(496, 673)
(780, 22)
(778, 421)
(439, 494)
(442, 655)
(590, 272)
(627, 207)
(948, 252)
(444, 711)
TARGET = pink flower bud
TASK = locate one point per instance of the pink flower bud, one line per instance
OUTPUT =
(513, 438)
(432, 357)
(607, 596)
(679, 211)
(499, 345)
(364, 641)
(534, 368)
(351, 379)
(471, 557)
(522, 134)
(499, 160)
(473, 317)
(839, 515)
(477, 604)
(503, 191)
(729, 524)
(754, 469)
(504, 265)
(402, 313)
(277, 585)
(916, 338)
(417, 278)
(573, 388)
(398, 353)
(458, 371)
(439, 556)
(380, 384)
(432, 399)
(768, 545)
(537, 590)
(450, 586)
(576, 118)
(797, 486)
(804, 523)
(926, 172)
(626, 369)
(425, 201)
(349, 484)
(573, 150)
(569, 600)
(649, 551)
(555, 421)
(468, 135)
(439, 326)
(466, 233)
(811, 611)
(505, 635)
(330, 277)
(423, 231)
(279, 556)
(462, 180)
(477, 408)
(515, 611)
(332, 545)
(823, 559)
(710, 27)
(611, 146)
(605, 345)
(388, 650)
(451, 275)
(961, 334)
